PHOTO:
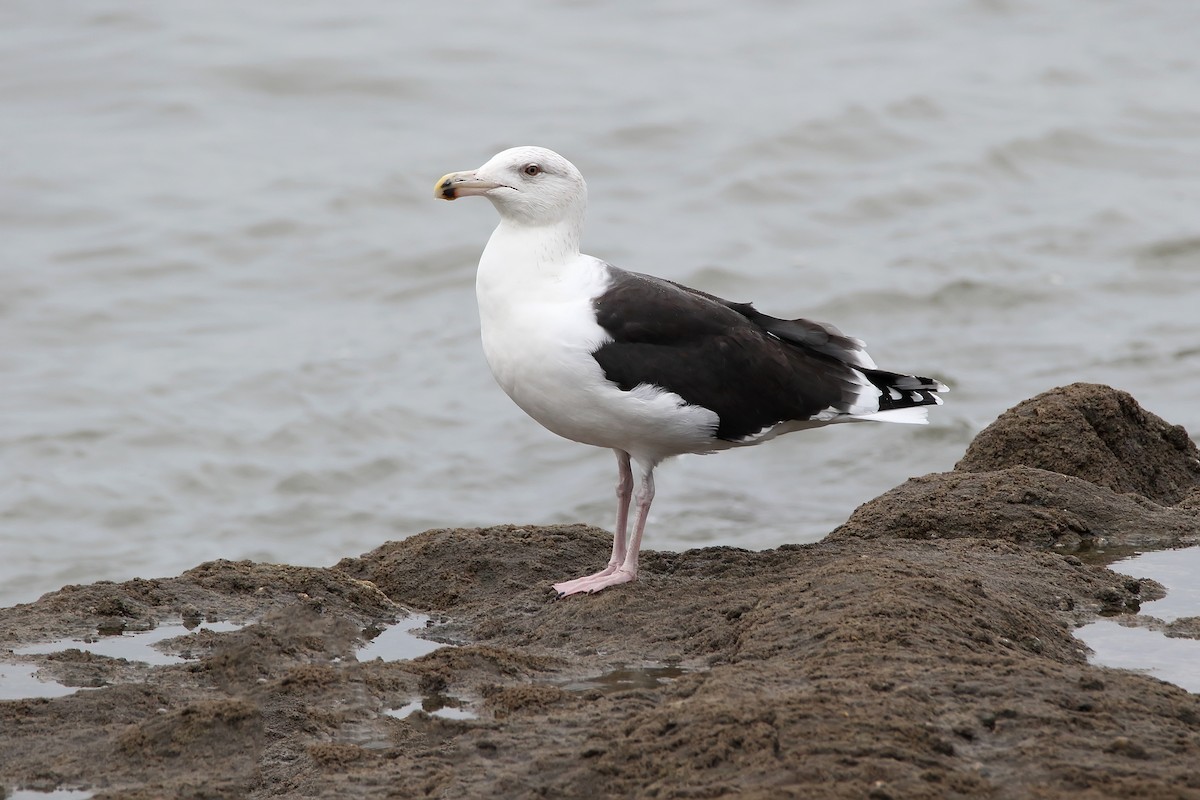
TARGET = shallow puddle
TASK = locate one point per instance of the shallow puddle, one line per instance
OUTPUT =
(436, 706)
(130, 645)
(20, 681)
(398, 642)
(1178, 571)
(1144, 650)
(54, 794)
(1176, 660)
(626, 678)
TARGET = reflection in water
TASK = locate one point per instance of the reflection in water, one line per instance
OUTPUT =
(397, 642)
(19, 681)
(1178, 571)
(436, 705)
(131, 645)
(1133, 646)
(626, 678)
(1144, 650)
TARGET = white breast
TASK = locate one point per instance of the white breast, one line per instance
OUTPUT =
(539, 332)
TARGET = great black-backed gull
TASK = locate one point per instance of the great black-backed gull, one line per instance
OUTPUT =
(645, 366)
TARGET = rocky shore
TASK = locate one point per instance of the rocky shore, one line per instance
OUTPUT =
(923, 649)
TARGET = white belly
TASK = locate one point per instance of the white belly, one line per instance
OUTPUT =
(541, 355)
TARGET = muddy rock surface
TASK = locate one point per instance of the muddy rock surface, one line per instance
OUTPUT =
(1095, 433)
(923, 650)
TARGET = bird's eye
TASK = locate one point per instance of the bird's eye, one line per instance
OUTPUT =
(532, 169)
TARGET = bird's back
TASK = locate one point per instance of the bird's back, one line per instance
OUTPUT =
(761, 375)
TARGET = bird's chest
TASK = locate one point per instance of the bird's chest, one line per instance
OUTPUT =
(539, 331)
(537, 321)
(541, 355)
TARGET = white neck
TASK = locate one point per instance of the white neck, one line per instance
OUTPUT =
(526, 270)
(519, 254)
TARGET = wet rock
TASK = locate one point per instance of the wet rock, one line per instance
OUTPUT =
(441, 568)
(1124, 746)
(330, 755)
(1112, 600)
(524, 699)
(1184, 628)
(208, 729)
(1071, 467)
(116, 607)
(1021, 504)
(1095, 433)
(922, 650)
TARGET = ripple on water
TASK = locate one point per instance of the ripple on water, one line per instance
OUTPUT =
(311, 77)
(1075, 148)
(851, 135)
(1169, 255)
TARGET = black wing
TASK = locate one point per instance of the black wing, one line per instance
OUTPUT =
(751, 369)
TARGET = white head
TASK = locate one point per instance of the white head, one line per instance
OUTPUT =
(527, 185)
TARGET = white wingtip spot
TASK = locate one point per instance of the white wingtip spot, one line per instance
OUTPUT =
(917, 415)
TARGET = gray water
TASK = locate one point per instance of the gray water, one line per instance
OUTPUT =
(399, 641)
(1138, 642)
(23, 680)
(234, 323)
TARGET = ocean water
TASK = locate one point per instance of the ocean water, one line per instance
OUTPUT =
(234, 322)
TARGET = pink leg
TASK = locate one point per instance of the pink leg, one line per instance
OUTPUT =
(624, 493)
(645, 498)
(627, 571)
